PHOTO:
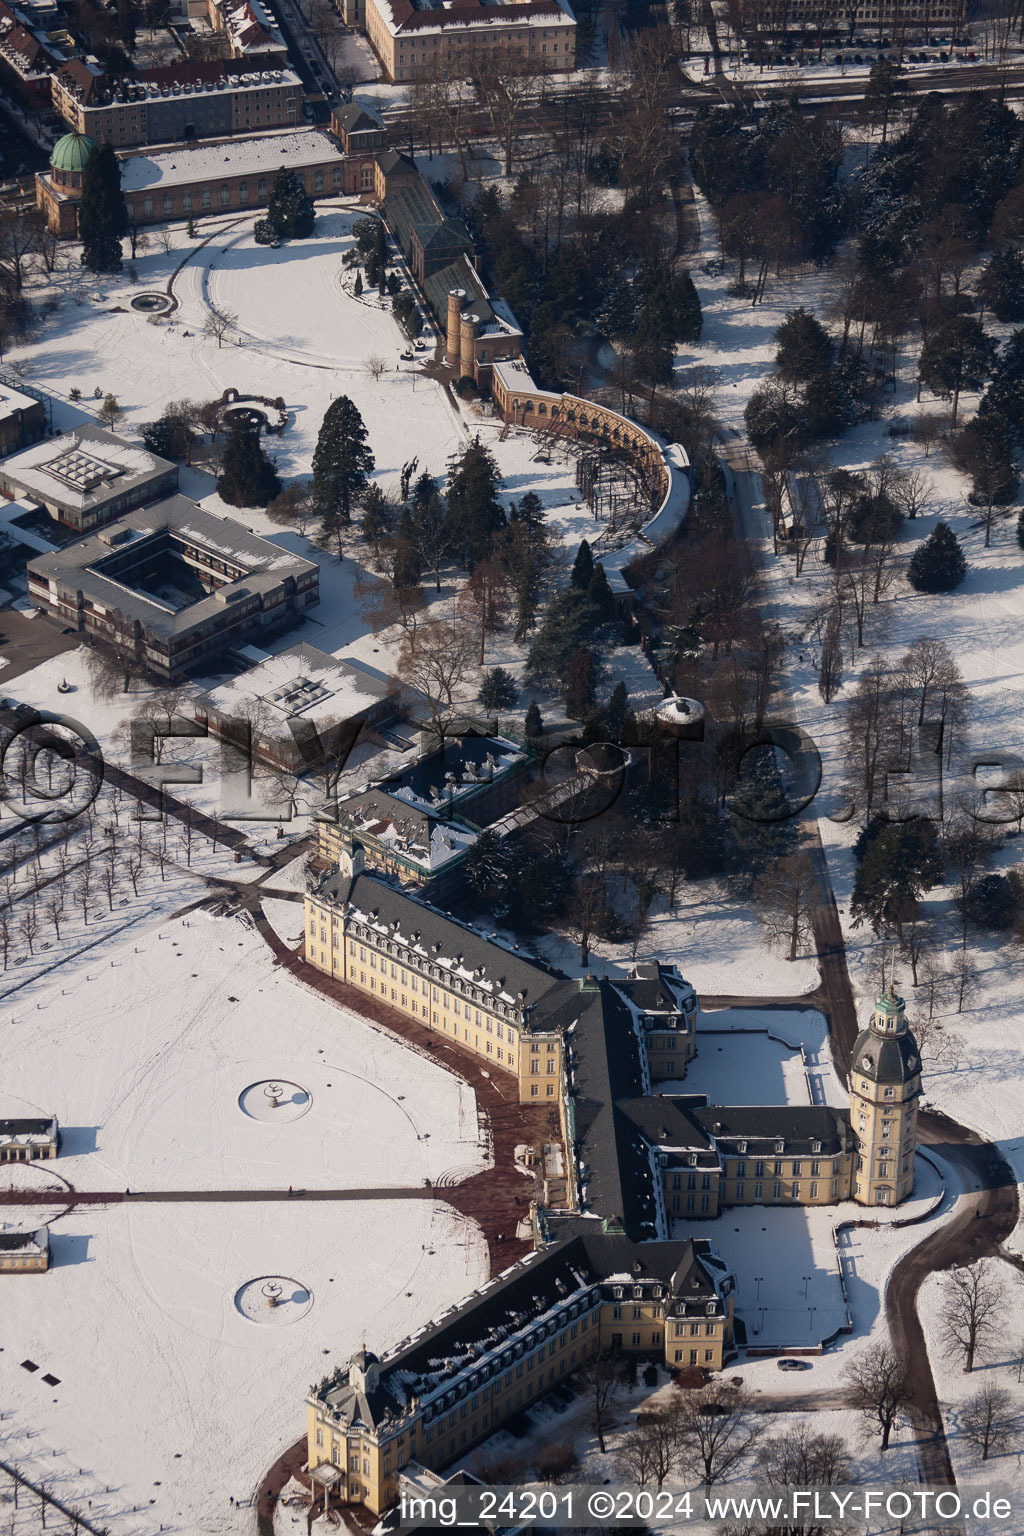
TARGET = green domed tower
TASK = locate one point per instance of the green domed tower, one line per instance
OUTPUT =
(68, 161)
(885, 1085)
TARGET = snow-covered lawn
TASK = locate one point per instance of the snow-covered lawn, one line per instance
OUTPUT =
(145, 1051)
(995, 1366)
(149, 1089)
(169, 1398)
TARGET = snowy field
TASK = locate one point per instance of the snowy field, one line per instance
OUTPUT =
(152, 1088)
(169, 1400)
(164, 1382)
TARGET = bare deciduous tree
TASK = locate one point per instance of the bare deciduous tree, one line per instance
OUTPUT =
(786, 897)
(879, 1387)
(649, 1451)
(717, 1430)
(972, 1310)
(218, 324)
(989, 1420)
(434, 658)
(600, 1380)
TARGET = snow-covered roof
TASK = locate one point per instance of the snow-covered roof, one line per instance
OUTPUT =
(28, 1132)
(262, 566)
(300, 683)
(82, 469)
(301, 148)
(418, 16)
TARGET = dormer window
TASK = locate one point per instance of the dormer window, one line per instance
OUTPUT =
(692, 1159)
(780, 1146)
(741, 1146)
(711, 1309)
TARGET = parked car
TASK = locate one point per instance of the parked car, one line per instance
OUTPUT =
(789, 1363)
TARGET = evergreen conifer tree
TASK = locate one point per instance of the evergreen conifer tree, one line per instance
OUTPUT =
(582, 568)
(475, 514)
(290, 209)
(1001, 285)
(805, 349)
(102, 215)
(937, 565)
(406, 570)
(687, 315)
(654, 339)
(530, 510)
(618, 707)
(341, 463)
(581, 684)
(247, 479)
(357, 286)
(600, 594)
(534, 724)
(498, 689)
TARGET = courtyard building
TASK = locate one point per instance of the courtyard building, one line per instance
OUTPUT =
(640, 1159)
(299, 708)
(88, 477)
(171, 585)
(415, 40)
(177, 102)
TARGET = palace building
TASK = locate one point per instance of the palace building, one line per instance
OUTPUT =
(457, 1381)
(609, 1270)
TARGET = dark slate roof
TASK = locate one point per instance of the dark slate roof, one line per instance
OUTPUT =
(761, 1126)
(667, 1122)
(615, 1168)
(885, 1058)
(10, 1242)
(528, 1289)
(391, 160)
(41, 1127)
(441, 938)
(357, 117)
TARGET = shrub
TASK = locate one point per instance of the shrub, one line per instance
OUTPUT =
(263, 232)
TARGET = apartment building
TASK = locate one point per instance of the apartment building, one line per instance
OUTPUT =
(414, 39)
(179, 102)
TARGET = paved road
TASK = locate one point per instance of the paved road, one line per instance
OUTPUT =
(214, 1196)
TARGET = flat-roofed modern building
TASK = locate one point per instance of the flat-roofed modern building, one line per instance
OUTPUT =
(87, 477)
(299, 706)
(22, 420)
(171, 584)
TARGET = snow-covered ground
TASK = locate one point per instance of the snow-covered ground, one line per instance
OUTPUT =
(981, 624)
(145, 1053)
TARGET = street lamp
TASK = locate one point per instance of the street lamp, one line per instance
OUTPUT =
(757, 1282)
(807, 1281)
